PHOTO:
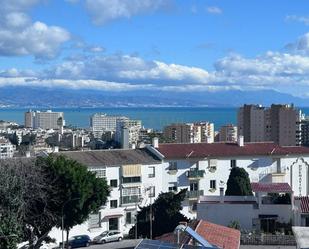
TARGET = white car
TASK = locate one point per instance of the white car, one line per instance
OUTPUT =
(108, 236)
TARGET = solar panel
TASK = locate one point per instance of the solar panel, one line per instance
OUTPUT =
(156, 244)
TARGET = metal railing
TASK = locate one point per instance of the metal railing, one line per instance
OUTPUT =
(130, 199)
(195, 173)
(195, 194)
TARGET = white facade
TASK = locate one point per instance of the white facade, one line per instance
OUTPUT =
(247, 210)
(100, 123)
(127, 132)
(201, 176)
(6, 149)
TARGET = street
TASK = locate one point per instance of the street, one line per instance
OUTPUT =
(125, 244)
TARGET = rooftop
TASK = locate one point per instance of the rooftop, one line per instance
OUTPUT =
(220, 236)
(304, 203)
(203, 150)
(271, 187)
(97, 158)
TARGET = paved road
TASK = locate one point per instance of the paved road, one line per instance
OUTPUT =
(125, 244)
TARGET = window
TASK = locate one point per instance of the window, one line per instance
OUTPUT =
(172, 187)
(172, 166)
(131, 191)
(213, 184)
(212, 165)
(233, 163)
(129, 219)
(113, 203)
(114, 183)
(193, 186)
(100, 173)
(132, 179)
(152, 191)
(152, 172)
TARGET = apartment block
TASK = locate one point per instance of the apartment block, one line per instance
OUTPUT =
(44, 120)
(138, 176)
(6, 148)
(127, 132)
(190, 132)
(101, 123)
(279, 123)
(228, 133)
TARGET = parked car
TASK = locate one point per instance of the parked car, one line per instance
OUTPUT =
(78, 241)
(108, 236)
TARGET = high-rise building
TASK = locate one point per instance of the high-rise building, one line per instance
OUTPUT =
(279, 123)
(190, 132)
(228, 133)
(127, 132)
(100, 123)
(44, 120)
(6, 148)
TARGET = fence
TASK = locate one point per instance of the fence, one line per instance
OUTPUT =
(267, 239)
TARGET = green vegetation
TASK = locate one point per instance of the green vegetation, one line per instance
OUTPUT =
(166, 215)
(238, 183)
(33, 194)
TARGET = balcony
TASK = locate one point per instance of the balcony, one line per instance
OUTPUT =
(195, 174)
(130, 199)
(195, 194)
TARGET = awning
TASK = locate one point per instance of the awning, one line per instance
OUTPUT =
(110, 216)
(268, 216)
(131, 170)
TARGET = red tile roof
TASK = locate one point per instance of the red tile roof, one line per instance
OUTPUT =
(202, 150)
(220, 236)
(271, 187)
(304, 203)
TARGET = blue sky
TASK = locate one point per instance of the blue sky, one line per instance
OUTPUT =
(127, 45)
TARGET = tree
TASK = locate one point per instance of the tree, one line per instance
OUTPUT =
(34, 192)
(166, 215)
(238, 183)
(77, 193)
(20, 184)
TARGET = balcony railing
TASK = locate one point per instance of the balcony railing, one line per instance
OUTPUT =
(195, 174)
(130, 199)
(195, 194)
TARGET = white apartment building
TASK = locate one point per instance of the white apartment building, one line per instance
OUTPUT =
(127, 132)
(202, 169)
(100, 123)
(135, 178)
(6, 148)
(44, 120)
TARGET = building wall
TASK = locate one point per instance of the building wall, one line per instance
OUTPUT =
(246, 214)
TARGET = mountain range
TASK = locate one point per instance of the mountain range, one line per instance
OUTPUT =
(42, 97)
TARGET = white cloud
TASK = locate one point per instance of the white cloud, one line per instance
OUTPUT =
(103, 11)
(19, 35)
(301, 45)
(214, 10)
(302, 19)
(127, 68)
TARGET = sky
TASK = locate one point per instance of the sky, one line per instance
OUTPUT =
(156, 45)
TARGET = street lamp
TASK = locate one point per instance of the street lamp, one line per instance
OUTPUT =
(62, 216)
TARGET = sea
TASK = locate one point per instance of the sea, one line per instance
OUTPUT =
(152, 117)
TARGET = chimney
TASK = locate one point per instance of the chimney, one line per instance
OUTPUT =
(155, 142)
(240, 141)
(221, 195)
(28, 153)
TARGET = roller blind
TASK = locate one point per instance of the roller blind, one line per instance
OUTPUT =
(131, 170)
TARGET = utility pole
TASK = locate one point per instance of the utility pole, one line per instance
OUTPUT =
(136, 221)
(150, 214)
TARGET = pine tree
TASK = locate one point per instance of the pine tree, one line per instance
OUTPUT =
(238, 183)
